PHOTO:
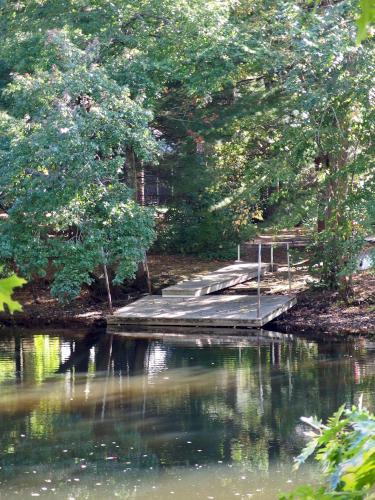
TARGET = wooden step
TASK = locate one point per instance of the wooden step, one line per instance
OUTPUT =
(214, 281)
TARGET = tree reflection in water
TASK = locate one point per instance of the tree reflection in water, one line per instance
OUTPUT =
(100, 404)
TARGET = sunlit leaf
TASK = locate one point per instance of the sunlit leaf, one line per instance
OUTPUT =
(7, 286)
(367, 17)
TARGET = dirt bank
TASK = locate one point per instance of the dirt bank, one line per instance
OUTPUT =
(320, 311)
(40, 309)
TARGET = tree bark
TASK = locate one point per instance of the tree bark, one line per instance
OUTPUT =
(131, 172)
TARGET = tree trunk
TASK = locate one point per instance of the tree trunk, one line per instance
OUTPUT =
(109, 295)
(322, 162)
(338, 226)
(131, 172)
(142, 278)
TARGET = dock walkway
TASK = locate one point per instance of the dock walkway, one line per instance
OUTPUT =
(189, 304)
(218, 280)
(209, 310)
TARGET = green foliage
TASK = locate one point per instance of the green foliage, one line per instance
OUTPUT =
(200, 231)
(310, 493)
(7, 286)
(112, 57)
(303, 130)
(334, 256)
(366, 18)
(63, 165)
(206, 217)
(345, 449)
(147, 45)
(266, 108)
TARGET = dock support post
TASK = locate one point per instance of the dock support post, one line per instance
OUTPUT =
(259, 272)
(289, 276)
(238, 253)
(272, 257)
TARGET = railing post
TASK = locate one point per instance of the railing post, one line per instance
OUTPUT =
(289, 276)
(259, 272)
(239, 253)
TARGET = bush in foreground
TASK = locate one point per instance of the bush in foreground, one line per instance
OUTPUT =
(345, 449)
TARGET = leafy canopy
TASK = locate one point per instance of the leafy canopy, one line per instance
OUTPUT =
(302, 130)
(62, 171)
(266, 108)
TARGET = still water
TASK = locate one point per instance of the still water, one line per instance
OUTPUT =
(84, 415)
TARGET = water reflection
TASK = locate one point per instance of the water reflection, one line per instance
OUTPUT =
(93, 415)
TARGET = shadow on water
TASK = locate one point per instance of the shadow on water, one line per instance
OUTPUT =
(93, 415)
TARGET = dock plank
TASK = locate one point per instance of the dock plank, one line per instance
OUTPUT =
(211, 310)
(218, 280)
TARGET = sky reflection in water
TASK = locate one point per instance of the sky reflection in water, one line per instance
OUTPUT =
(95, 416)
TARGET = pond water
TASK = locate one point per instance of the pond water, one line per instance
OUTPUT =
(100, 416)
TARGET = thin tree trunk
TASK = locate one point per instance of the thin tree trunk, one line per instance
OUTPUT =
(109, 295)
(143, 275)
(131, 173)
(147, 271)
(143, 279)
(340, 225)
(320, 163)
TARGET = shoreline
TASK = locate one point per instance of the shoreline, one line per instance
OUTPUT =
(317, 311)
(305, 318)
(335, 321)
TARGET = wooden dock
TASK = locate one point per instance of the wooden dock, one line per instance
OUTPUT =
(209, 310)
(218, 280)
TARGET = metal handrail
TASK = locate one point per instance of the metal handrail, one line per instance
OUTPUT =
(272, 267)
